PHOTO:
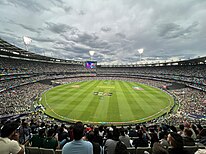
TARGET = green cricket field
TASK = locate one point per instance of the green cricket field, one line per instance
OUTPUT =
(106, 102)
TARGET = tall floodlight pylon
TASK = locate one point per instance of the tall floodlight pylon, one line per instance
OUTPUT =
(91, 53)
(140, 53)
(27, 41)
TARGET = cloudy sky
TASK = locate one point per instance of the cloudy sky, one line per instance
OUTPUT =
(114, 29)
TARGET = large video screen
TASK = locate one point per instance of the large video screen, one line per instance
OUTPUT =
(90, 64)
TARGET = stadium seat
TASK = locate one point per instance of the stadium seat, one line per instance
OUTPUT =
(141, 150)
(32, 150)
(46, 151)
(131, 150)
(190, 149)
(58, 151)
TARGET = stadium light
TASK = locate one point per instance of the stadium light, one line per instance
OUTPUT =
(91, 53)
(27, 41)
(140, 53)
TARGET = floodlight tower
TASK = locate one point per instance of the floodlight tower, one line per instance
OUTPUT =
(91, 53)
(140, 53)
(27, 41)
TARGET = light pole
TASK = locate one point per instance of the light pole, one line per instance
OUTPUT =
(27, 41)
(140, 53)
(91, 53)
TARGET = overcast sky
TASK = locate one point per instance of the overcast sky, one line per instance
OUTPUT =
(114, 29)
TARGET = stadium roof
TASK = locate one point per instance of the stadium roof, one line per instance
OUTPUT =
(9, 50)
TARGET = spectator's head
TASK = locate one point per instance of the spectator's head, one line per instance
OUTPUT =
(42, 132)
(137, 127)
(199, 127)
(96, 131)
(90, 136)
(122, 132)
(140, 134)
(101, 128)
(187, 124)
(61, 130)
(51, 133)
(187, 132)
(116, 134)
(181, 127)
(78, 130)
(9, 129)
(173, 128)
(175, 140)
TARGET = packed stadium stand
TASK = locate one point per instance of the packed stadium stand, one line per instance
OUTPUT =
(25, 76)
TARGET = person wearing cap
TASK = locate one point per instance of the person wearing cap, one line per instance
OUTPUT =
(9, 139)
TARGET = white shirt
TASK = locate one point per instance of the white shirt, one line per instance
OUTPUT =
(8, 146)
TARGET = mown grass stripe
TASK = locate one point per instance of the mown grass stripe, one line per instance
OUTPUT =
(124, 107)
(153, 99)
(135, 108)
(144, 102)
(157, 97)
(65, 91)
(71, 102)
(93, 104)
(113, 112)
(78, 97)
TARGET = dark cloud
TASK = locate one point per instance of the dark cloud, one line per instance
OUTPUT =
(58, 28)
(57, 2)
(172, 30)
(106, 29)
(8, 34)
(31, 5)
(82, 12)
(29, 28)
(2, 2)
(67, 9)
(62, 5)
(44, 39)
(37, 30)
(120, 35)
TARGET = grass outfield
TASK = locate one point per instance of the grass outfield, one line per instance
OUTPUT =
(106, 102)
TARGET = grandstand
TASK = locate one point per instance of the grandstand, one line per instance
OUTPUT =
(25, 76)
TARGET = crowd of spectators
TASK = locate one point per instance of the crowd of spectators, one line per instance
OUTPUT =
(191, 75)
(19, 99)
(18, 66)
(192, 105)
(37, 130)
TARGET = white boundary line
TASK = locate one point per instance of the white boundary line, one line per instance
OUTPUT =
(127, 122)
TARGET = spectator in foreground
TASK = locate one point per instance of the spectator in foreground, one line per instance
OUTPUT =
(50, 142)
(140, 141)
(78, 145)
(111, 142)
(38, 139)
(9, 139)
(176, 143)
(202, 134)
(158, 149)
(187, 139)
(97, 149)
(124, 138)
